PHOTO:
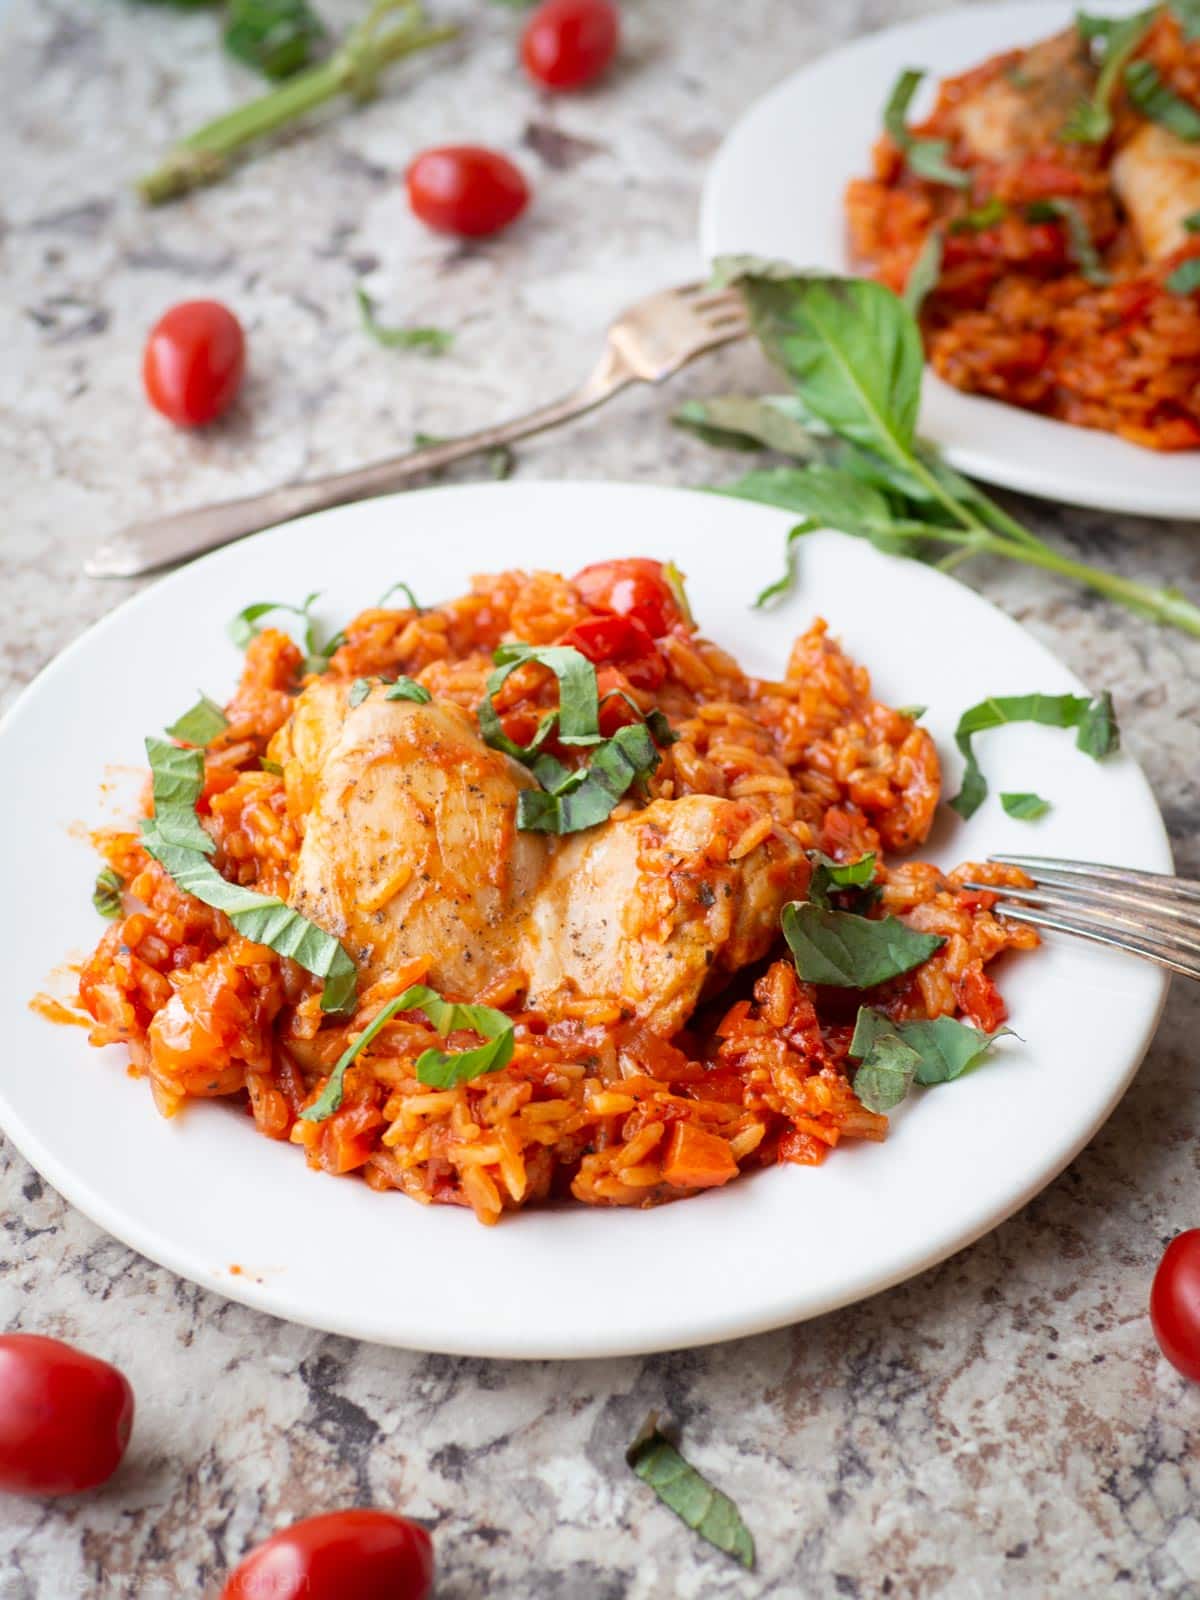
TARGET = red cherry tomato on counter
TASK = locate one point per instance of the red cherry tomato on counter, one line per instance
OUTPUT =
(567, 43)
(65, 1417)
(465, 189)
(344, 1555)
(623, 641)
(1175, 1303)
(193, 363)
(634, 588)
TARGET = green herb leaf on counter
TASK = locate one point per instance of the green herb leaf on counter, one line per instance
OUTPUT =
(1156, 101)
(276, 37)
(1083, 249)
(200, 724)
(831, 876)
(687, 1493)
(436, 341)
(742, 422)
(1091, 120)
(853, 352)
(106, 895)
(923, 276)
(1185, 279)
(1024, 807)
(178, 842)
(437, 1068)
(895, 1055)
(849, 951)
(408, 689)
(1097, 736)
(926, 158)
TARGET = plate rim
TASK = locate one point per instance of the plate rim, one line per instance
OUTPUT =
(144, 1236)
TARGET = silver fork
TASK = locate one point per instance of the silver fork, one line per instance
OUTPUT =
(1150, 914)
(648, 342)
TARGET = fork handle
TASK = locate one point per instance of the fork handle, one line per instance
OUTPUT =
(146, 546)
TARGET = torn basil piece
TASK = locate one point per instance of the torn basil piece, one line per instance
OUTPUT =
(849, 951)
(686, 1492)
(200, 724)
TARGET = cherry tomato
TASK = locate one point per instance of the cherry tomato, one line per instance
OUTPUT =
(623, 641)
(1175, 1303)
(634, 588)
(567, 43)
(344, 1555)
(65, 1417)
(193, 363)
(465, 189)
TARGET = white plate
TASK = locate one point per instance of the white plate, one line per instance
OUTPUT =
(776, 189)
(205, 1191)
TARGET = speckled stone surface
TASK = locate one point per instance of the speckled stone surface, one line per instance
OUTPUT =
(1001, 1425)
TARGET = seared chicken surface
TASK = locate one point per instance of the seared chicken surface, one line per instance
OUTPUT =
(411, 853)
(1156, 175)
(1024, 108)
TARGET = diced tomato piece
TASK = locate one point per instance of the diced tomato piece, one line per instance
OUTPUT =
(697, 1159)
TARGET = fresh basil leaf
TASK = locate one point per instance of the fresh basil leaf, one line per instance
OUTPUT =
(436, 341)
(829, 876)
(588, 796)
(400, 588)
(1159, 103)
(272, 767)
(408, 689)
(689, 1494)
(1091, 121)
(1083, 249)
(1095, 720)
(436, 1068)
(1185, 279)
(981, 218)
(276, 37)
(200, 724)
(923, 276)
(786, 582)
(660, 728)
(888, 1065)
(851, 952)
(913, 713)
(1192, 222)
(106, 895)
(829, 496)
(176, 840)
(1025, 807)
(742, 422)
(359, 690)
(578, 699)
(947, 1048)
(853, 351)
(491, 731)
(926, 158)
(245, 625)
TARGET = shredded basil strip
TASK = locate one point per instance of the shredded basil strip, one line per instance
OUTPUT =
(359, 690)
(437, 1068)
(568, 801)
(200, 724)
(400, 588)
(983, 217)
(176, 840)
(925, 271)
(1091, 120)
(1185, 279)
(1161, 104)
(106, 895)
(246, 624)
(913, 713)
(895, 1055)
(924, 157)
(687, 1493)
(436, 341)
(1083, 249)
(272, 767)
(831, 876)
(578, 699)
(1097, 736)
(1025, 807)
(408, 689)
(852, 952)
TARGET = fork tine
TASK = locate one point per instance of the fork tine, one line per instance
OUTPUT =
(1050, 869)
(1170, 953)
(1136, 907)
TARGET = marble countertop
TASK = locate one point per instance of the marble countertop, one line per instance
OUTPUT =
(1002, 1424)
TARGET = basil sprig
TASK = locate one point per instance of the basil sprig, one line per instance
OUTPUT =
(277, 37)
(689, 1494)
(926, 158)
(1159, 103)
(178, 842)
(1079, 237)
(248, 621)
(854, 354)
(200, 724)
(1025, 807)
(1091, 120)
(437, 1068)
(853, 879)
(892, 1056)
(435, 341)
(848, 951)
(106, 895)
(1097, 736)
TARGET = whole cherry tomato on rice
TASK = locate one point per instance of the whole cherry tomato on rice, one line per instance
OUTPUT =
(344, 1555)
(625, 642)
(1175, 1303)
(193, 363)
(466, 189)
(567, 43)
(65, 1417)
(634, 587)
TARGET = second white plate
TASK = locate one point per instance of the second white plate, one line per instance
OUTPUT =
(776, 189)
